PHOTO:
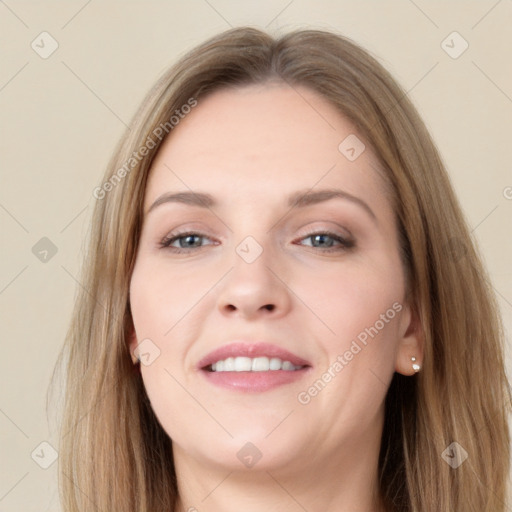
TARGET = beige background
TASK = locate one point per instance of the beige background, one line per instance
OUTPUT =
(61, 117)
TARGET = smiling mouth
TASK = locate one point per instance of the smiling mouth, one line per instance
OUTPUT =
(252, 364)
(252, 367)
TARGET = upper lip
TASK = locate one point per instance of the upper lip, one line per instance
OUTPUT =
(250, 349)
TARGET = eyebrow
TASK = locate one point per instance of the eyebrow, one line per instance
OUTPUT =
(298, 199)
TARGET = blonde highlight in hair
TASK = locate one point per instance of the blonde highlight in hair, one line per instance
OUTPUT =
(114, 455)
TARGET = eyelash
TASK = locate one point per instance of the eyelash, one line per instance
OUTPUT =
(345, 244)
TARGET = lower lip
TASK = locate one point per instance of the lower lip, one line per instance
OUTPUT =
(254, 381)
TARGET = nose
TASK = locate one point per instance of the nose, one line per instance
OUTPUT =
(255, 289)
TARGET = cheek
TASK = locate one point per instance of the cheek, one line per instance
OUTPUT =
(358, 309)
(159, 303)
(362, 312)
(160, 298)
(348, 300)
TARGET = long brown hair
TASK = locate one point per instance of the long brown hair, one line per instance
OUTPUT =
(114, 455)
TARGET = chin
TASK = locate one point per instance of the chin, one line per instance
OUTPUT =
(252, 450)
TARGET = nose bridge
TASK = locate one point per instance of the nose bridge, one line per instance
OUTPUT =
(254, 242)
(252, 263)
(252, 285)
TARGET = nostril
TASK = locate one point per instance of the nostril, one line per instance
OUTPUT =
(270, 307)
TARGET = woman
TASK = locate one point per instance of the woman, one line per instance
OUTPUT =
(282, 307)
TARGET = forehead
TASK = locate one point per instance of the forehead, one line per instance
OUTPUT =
(261, 141)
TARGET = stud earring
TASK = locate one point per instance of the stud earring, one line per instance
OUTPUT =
(415, 366)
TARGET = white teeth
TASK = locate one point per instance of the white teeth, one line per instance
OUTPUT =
(275, 363)
(229, 364)
(242, 364)
(260, 364)
(256, 364)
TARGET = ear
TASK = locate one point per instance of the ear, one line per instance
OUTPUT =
(131, 339)
(411, 341)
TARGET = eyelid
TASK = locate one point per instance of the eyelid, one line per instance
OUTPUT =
(342, 242)
(322, 226)
(176, 235)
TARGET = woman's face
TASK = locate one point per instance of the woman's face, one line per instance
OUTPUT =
(318, 283)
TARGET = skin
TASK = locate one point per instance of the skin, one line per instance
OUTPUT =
(250, 148)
